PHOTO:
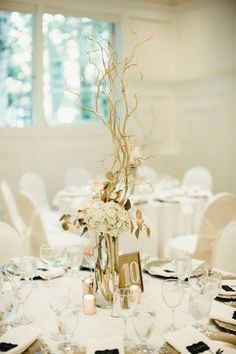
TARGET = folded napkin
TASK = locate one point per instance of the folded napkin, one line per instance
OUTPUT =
(52, 272)
(167, 270)
(223, 312)
(189, 340)
(228, 289)
(21, 337)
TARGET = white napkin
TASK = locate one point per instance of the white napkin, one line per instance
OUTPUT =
(23, 336)
(167, 270)
(222, 312)
(188, 336)
(52, 273)
(232, 285)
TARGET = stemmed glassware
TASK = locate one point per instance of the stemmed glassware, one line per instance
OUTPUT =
(211, 284)
(48, 255)
(126, 304)
(22, 288)
(199, 306)
(74, 257)
(143, 323)
(58, 300)
(172, 293)
(67, 323)
(6, 310)
(182, 267)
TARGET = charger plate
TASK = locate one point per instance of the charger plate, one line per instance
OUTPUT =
(162, 261)
(221, 339)
(226, 326)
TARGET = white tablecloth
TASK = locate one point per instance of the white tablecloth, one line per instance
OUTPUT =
(102, 324)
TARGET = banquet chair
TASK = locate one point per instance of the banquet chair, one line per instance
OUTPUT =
(39, 232)
(219, 212)
(224, 257)
(77, 177)
(33, 184)
(13, 215)
(11, 244)
(198, 176)
(147, 173)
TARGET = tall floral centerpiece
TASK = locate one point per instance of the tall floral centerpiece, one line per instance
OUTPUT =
(109, 212)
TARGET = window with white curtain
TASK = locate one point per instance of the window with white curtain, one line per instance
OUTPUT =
(42, 66)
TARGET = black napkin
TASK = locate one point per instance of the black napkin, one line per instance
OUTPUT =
(4, 347)
(227, 288)
(196, 348)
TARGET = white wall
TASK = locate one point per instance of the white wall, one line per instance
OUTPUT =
(186, 112)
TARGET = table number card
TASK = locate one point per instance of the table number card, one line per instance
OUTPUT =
(111, 345)
(130, 270)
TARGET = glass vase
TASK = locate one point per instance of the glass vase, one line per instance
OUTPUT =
(106, 269)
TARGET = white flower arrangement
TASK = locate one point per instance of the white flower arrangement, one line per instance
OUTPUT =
(107, 218)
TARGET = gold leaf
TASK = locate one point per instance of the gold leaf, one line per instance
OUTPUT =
(109, 176)
(84, 230)
(127, 204)
(66, 225)
(140, 225)
(139, 214)
(62, 217)
(137, 233)
(131, 227)
(148, 231)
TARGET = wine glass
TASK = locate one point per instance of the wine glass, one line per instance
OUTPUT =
(6, 310)
(143, 323)
(22, 288)
(126, 304)
(58, 300)
(74, 257)
(67, 323)
(172, 293)
(212, 284)
(199, 307)
(183, 267)
(48, 255)
(89, 256)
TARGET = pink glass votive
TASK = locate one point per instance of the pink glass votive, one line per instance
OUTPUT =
(89, 306)
(88, 286)
(88, 251)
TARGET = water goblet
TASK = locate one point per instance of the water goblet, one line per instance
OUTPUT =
(126, 304)
(74, 257)
(183, 267)
(212, 284)
(22, 288)
(6, 310)
(58, 300)
(67, 323)
(172, 293)
(199, 307)
(48, 255)
(143, 323)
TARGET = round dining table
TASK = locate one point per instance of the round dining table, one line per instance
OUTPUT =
(102, 324)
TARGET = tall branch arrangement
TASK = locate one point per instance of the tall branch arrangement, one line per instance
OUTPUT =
(111, 84)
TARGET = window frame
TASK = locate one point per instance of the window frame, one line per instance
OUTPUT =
(37, 9)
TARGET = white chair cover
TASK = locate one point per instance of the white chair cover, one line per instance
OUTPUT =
(33, 184)
(10, 243)
(13, 214)
(198, 176)
(225, 251)
(220, 211)
(77, 177)
(39, 234)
